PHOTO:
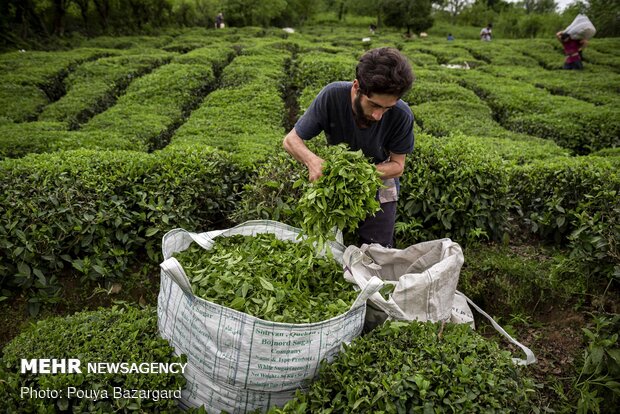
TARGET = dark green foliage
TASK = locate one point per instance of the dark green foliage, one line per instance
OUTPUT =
(521, 107)
(573, 201)
(272, 279)
(417, 367)
(423, 92)
(452, 188)
(412, 15)
(244, 121)
(108, 335)
(30, 80)
(270, 192)
(505, 280)
(245, 115)
(598, 383)
(266, 68)
(100, 212)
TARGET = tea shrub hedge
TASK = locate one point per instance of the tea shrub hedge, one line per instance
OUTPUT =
(452, 188)
(417, 367)
(39, 137)
(32, 79)
(245, 121)
(574, 124)
(245, 69)
(154, 103)
(587, 86)
(317, 69)
(500, 55)
(113, 334)
(573, 201)
(423, 92)
(101, 212)
(94, 86)
(244, 118)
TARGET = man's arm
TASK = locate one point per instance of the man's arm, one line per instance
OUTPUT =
(294, 145)
(393, 167)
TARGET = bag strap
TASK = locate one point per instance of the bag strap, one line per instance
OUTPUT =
(173, 268)
(530, 358)
(369, 289)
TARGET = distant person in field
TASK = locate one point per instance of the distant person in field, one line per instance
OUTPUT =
(372, 28)
(450, 37)
(219, 21)
(572, 50)
(485, 33)
(369, 115)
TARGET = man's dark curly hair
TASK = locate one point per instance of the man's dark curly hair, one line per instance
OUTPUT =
(385, 71)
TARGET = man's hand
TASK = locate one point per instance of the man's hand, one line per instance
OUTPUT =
(294, 145)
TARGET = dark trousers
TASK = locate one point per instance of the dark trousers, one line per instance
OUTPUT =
(574, 65)
(380, 227)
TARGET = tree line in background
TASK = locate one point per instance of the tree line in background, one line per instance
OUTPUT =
(40, 20)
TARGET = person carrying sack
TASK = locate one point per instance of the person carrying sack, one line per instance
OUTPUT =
(574, 39)
(572, 50)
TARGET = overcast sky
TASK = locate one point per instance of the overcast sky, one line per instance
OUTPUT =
(561, 3)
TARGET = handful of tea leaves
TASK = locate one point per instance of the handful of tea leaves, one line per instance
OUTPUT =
(272, 279)
(342, 197)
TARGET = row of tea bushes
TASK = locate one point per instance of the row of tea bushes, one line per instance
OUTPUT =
(20, 139)
(155, 103)
(547, 52)
(449, 54)
(317, 69)
(521, 107)
(586, 86)
(445, 118)
(573, 201)
(140, 120)
(101, 212)
(94, 86)
(30, 80)
(111, 335)
(499, 54)
(245, 115)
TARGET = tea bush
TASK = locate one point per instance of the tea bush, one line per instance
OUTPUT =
(317, 69)
(452, 188)
(423, 92)
(417, 367)
(100, 212)
(32, 79)
(112, 335)
(573, 201)
(154, 103)
(26, 138)
(94, 86)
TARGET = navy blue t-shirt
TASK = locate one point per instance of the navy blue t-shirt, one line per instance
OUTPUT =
(331, 112)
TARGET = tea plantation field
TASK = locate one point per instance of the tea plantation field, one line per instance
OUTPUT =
(106, 146)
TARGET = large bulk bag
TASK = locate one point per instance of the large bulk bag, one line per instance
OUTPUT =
(581, 28)
(237, 362)
(425, 277)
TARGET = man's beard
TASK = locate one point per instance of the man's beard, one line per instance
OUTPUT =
(358, 114)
